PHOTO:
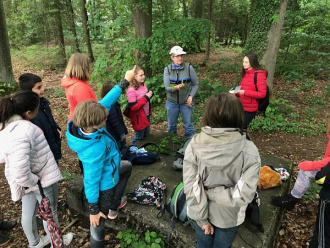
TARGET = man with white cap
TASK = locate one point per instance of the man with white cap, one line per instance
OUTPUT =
(181, 85)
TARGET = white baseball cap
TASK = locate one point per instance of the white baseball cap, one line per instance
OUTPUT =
(177, 50)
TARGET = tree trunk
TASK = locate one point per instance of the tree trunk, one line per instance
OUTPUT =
(59, 31)
(73, 26)
(86, 30)
(208, 42)
(274, 39)
(142, 11)
(185, 9)
(6, 70)
(198, 10)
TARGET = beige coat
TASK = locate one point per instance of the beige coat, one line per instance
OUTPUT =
(227, 165)
(28, 158)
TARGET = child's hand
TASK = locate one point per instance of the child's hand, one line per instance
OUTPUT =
(208, 229)
(60, 133)
(95, 219)
(129, 75)
(149, 94)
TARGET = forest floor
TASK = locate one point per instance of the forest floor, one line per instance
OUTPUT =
(297, 225)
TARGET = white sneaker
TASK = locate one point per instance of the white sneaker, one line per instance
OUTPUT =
(67, 238)
(42, 243)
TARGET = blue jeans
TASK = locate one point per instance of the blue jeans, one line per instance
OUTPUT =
(221, 238)
(173, 110)
(139, 135)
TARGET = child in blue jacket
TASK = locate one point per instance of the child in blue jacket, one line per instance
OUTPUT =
(105, 176)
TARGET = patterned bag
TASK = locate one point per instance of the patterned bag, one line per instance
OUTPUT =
(149, 192)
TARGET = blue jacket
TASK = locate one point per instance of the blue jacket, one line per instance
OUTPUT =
(46, 122)
(98, 152)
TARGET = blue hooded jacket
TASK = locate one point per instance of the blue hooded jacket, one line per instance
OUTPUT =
(98, 152)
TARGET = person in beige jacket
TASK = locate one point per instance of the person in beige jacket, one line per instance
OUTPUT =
(220, 173)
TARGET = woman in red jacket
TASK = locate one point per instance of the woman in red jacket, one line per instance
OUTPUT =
(248, 94)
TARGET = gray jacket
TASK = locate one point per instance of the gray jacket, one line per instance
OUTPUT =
(227, 165)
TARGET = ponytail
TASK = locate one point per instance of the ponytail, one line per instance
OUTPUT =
(17, 104)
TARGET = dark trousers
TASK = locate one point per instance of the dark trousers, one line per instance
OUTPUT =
(110, 199)
(248, 117)
(321, 235)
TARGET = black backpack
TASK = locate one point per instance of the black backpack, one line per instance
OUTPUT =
(147, 158)
(263, 102)
(253, 212)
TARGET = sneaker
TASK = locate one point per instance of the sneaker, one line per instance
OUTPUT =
(44, 240)
(6, 225)
(3, 240)
(123, 202)
(288, 201)
(67, 238)
(112, 214)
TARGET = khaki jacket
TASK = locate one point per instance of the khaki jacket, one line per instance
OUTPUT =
(227, 165)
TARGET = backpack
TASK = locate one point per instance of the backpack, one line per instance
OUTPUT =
(322, 177)
(177, 206)
(263, 102)
(149, 192)
(140, 156)
(253, 212)
(178, 164)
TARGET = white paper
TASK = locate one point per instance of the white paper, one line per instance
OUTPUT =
(237, 89)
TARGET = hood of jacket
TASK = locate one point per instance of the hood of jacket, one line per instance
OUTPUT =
(67, 82)
(78, 142)
(211, 142)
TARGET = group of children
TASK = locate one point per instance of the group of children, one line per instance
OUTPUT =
(31, 144)
(31, 147)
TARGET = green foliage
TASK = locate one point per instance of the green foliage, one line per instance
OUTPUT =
(263, 15)
(308, 85)
(281, 116)
(167, 143)
(68, 176)
(130, 238)
(312, 192)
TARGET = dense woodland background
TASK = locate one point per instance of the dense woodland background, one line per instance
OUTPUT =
(292, 39)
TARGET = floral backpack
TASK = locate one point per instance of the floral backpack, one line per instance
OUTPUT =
(149, 192)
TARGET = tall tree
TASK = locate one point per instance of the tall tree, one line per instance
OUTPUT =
(142, 11)
(86, 30)
(265, 32)
(208, 41)
(185, 8)
(274, 39)
(59, 31)
(73, 26)
(198, 9)
(6, 70)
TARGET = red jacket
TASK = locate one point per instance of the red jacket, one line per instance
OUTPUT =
(251, 96)
(135, 112)
(77, 91)
(317, 165)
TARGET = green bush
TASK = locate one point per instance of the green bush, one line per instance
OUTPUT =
(131, 238)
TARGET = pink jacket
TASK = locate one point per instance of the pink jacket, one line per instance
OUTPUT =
(317, 165)
(77, 91)
(134, 95)
(251, 96)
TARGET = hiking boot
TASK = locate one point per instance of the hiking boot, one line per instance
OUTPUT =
(288, 201)
(67, 238)
(44, 240)
(3, 240)
(123, 202)
(6, 225)
(112, 214)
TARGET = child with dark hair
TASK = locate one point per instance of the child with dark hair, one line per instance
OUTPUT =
(115, 124)
(220, 173)
(105, 175)
(44, 118)
(28, 159)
